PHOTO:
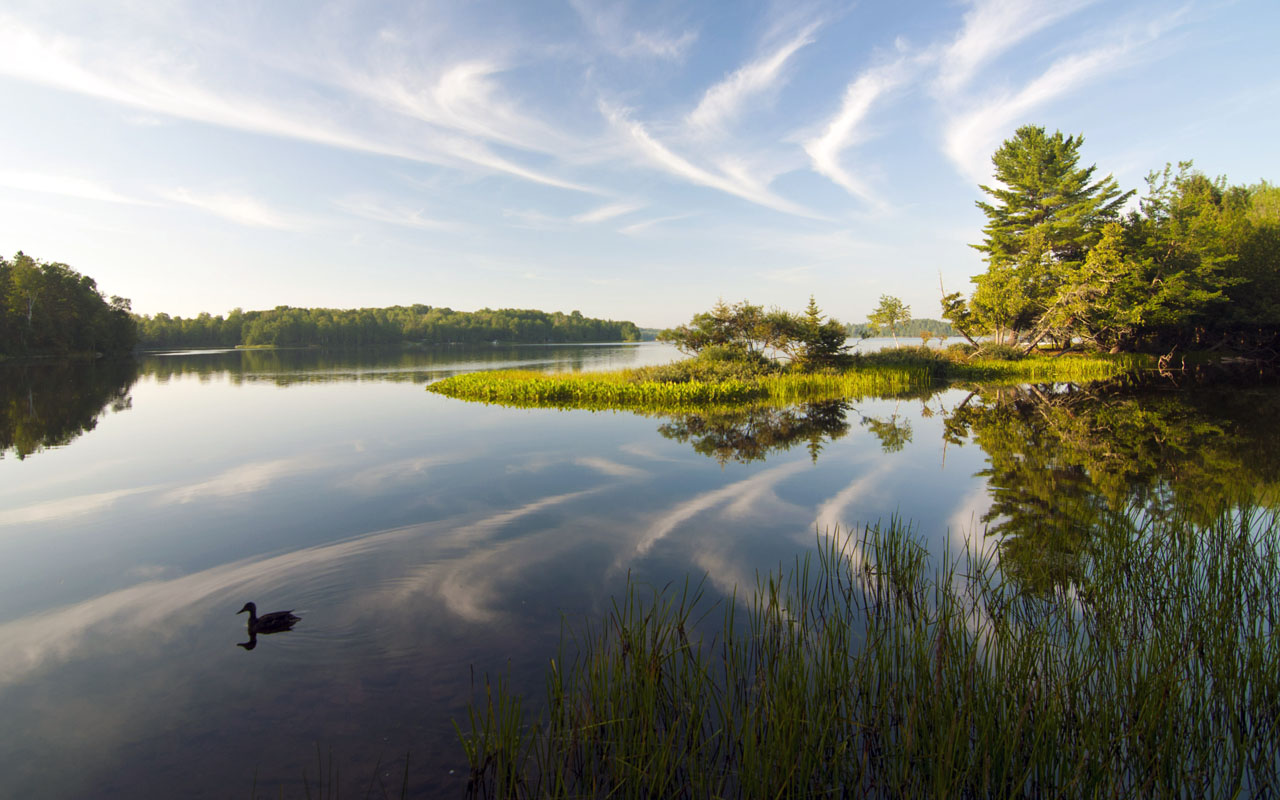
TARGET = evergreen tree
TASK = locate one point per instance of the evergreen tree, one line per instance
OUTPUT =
(1041, 222)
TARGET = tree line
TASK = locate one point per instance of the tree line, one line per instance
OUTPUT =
(285, 326)
(1195, 264)
(910, 327)
(47, 308)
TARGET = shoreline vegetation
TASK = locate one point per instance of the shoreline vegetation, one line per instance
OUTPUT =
(701, 383)
(743, 354)
(48, 310)
(880, 672)
(285, 326)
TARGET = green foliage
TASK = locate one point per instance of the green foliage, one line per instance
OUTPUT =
(1046, 214)
(1197, 264)
(47, 308)
(903, 372)
(284, 326)
(890, 314)
(599, 391)
(713, 363)
(749, 333)
(912, 327)
(878, 674)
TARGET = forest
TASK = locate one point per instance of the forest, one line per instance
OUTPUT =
(1194, 265)
(49, 309)
(284, 326)
(911, 328)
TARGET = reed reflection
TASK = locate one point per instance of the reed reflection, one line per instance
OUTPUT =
(50, 404)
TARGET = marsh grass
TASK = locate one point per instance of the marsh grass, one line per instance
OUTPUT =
(874, 670)
(907, 371)
(1065, 369)
(601, 390)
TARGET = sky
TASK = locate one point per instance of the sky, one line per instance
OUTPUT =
(631, 160)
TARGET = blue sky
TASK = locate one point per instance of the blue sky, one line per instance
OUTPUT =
(631, 160)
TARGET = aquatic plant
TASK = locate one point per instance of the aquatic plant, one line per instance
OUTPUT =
(877, 672)
(901, 373)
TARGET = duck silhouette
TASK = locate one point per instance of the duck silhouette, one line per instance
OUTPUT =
(275, 622)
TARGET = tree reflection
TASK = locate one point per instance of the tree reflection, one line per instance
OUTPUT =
(46, 405)
(1066, 462)
(750, 434)
(893, 431)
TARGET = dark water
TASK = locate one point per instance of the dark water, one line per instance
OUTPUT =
(423, 540)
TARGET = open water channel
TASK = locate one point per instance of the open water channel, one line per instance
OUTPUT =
(425, 542)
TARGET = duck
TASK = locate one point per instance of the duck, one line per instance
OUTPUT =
(274, 622)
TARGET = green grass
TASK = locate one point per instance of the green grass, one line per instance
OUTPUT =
(593, 390)
(1077, 369)
(876, 672)
(903, 372)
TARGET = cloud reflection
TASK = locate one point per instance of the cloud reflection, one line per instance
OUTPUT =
(244, 479)
(739, 495)
(67, 507)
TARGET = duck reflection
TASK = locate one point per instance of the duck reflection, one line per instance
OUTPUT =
(275, 622)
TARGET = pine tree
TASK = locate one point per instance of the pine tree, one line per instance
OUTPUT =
(1041, 223)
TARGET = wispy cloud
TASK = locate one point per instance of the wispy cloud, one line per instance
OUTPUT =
(844, 129)
(972, 135)
(607, 212)
(239, 208)
(645, 224)
(624, 38)
(466, 112)
(658, 44)
(159, 84)
(63, 185)
(659, 155)
(724, 101)
(990, 28)
(371, 209)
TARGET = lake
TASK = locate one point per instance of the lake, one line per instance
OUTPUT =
(426, 542)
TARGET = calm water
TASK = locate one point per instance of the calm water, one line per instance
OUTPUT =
(423, 539)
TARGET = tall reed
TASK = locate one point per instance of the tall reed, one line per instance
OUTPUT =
(878, 671)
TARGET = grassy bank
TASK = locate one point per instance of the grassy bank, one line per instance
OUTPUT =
(874, 672)
(897, 373)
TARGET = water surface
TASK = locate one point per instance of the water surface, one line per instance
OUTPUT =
(424, 541)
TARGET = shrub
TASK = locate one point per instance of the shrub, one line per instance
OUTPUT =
(999, 352)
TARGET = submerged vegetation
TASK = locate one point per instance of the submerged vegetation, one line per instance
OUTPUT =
(880, 673)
